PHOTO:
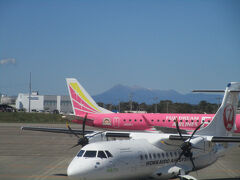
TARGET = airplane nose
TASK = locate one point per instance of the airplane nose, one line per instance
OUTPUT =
(72, 170)
(79, 169)
(85, 170)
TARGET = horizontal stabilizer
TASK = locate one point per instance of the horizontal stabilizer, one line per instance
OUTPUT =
(214, 91)
(226, 139)
(218, 139)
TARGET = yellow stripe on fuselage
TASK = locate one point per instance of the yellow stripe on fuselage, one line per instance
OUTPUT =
(82, 95)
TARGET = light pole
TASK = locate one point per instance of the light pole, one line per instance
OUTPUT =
(30, 92)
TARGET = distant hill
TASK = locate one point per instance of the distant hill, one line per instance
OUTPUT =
(122, 93)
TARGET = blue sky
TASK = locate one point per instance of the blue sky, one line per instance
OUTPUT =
(180, 45)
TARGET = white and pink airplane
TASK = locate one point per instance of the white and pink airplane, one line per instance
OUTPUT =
(84, 106)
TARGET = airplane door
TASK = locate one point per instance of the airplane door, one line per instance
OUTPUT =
(116, 122)
(204, 121)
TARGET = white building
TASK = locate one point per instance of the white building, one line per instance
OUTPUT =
(42, 103)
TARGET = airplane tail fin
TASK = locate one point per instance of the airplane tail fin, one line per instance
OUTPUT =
(82, 102)
(224, 120)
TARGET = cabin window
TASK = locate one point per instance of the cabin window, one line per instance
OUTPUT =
(109, 154)
(146, 157)
(197, 120)
(167, 154)
(163, 155)
(159, 155)
(191, 120)
(208, 120)
(101, 154)
(135, 120)
(158, 120)
(168, 120)
(154, 156)
(186, 120)
(141, 157)
(130, 120)
(140, 120)
(163, 120)
(150, 156)
(80, 153)
(124, 120)
(171, 154)
(202, 120)
(90, 154)
(152, 120)
(180, 120)
(175, 153)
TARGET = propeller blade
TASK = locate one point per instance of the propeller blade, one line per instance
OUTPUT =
(191, 159)
(195, 131)
(179, 132)
(179, 157)
(70, 129)
(75, 145)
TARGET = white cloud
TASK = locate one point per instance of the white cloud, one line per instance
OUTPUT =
(8, 61)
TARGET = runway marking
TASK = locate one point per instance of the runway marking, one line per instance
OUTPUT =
(28, 176)
(45, 174)
(30, 166)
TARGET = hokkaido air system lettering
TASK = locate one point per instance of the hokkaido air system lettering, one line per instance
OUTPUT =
(165, 161)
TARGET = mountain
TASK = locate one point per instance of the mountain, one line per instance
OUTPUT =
(122, 93)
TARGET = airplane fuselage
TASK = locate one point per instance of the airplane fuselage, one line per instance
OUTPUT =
(133, 159)
(146, 121)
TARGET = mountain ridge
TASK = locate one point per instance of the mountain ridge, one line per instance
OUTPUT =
(122, 93)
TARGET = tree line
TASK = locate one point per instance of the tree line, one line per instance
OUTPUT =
(165, 106)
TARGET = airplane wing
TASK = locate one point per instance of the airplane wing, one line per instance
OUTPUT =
(75, 131)
(55, 130)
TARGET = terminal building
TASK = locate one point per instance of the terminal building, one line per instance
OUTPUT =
(44, 103)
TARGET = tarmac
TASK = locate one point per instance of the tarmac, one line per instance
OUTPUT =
(26, 155)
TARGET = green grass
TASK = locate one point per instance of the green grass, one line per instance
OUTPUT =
(22, 117)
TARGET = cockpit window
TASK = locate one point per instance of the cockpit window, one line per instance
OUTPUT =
(90, 154)
(101, 154)
(109, 154)
(80, 153)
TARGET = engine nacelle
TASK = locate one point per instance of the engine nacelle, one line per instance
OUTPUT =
(201, 143)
